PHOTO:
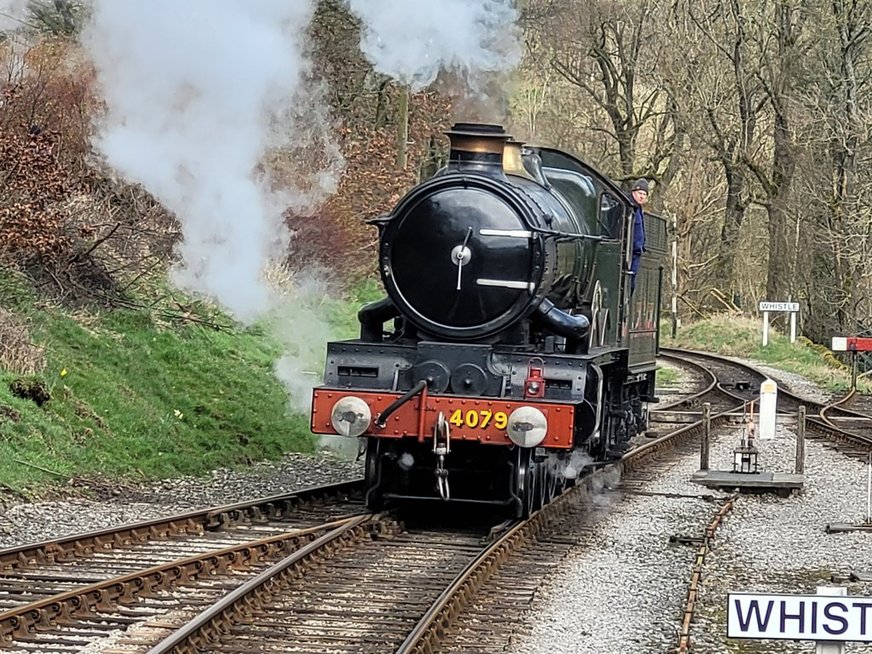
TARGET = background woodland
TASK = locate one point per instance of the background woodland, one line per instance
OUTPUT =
(753, 119)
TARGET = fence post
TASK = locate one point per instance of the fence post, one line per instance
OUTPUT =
(706, 436)
(800, 441)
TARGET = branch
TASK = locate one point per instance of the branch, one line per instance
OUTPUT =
(80, 255)
(762, 177)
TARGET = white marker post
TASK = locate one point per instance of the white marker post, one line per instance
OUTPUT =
(790, 307)
(768, 410)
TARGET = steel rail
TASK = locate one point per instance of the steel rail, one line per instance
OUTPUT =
(426, 633)
(213, 518)
(210, 624)
(819, 423)
(684, 639)
(710, 379)
(24, 621)
(449, 604)
(783, 393)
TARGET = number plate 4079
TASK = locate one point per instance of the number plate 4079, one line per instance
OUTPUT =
(479, 419)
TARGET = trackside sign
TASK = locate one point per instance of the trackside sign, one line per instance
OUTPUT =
(778, 306)
(799, 617)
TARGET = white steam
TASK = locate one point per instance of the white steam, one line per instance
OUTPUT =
(302, 332)
(198, 95)
(572, 468)
(412, 41)
(209, 105)
(13, 14)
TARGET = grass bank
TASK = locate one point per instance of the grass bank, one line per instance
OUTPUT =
(741, 337)
(142, 394)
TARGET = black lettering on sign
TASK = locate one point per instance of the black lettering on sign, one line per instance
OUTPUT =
(753, 609)
(829, 609)
(785, 616)
(863, 606)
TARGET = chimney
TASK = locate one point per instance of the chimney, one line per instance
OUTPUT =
(478, 146)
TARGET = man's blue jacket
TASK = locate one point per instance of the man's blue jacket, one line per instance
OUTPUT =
(638, 243)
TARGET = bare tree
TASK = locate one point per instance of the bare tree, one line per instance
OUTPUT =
(608, 52)
(722, 101)
(834, 181)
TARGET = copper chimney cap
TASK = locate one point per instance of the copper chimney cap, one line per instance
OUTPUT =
(477, 142)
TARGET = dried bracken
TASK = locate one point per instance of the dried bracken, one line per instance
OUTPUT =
(18, 354)
(31, 222)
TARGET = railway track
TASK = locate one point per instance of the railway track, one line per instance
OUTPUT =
(44, 587)
(847, 429)
(295, 574)
(350, 583)
(467, 614)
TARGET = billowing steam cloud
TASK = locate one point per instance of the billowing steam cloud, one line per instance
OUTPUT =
(572, 468)
(201, 96)
(197, 92)
(412, 41)
(12, 14)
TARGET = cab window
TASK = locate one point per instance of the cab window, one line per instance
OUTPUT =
(611, 216)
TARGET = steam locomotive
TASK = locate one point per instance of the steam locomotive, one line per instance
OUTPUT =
(515, 346)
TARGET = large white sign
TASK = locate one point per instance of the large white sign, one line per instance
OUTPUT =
(779, 306)
(799, 617)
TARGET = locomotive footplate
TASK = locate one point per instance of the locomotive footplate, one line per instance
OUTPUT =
(471, 420)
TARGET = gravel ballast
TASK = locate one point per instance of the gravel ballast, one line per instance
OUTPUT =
(625, 588)
(31, 522)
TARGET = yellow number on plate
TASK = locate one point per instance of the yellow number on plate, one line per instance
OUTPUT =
(478, 419)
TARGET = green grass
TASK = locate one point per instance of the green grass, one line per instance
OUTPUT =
(135, 395)
(742, 337)
(666, 377)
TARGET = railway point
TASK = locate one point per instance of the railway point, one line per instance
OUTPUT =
(747, 475)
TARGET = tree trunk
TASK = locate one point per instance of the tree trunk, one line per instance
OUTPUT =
(734, 215)
(403, 128)
(781, 257)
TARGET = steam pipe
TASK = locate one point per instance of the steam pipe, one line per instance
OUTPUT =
(372, 318)
(573, 328)
(382, 419)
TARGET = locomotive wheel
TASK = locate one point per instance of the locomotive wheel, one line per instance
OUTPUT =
(552, 484)
(373, 474)
(526, 483)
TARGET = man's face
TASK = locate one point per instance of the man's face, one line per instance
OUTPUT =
(641, 197)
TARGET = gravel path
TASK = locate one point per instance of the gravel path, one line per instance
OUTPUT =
(624, 589)
(30, 522)
(780, 545)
